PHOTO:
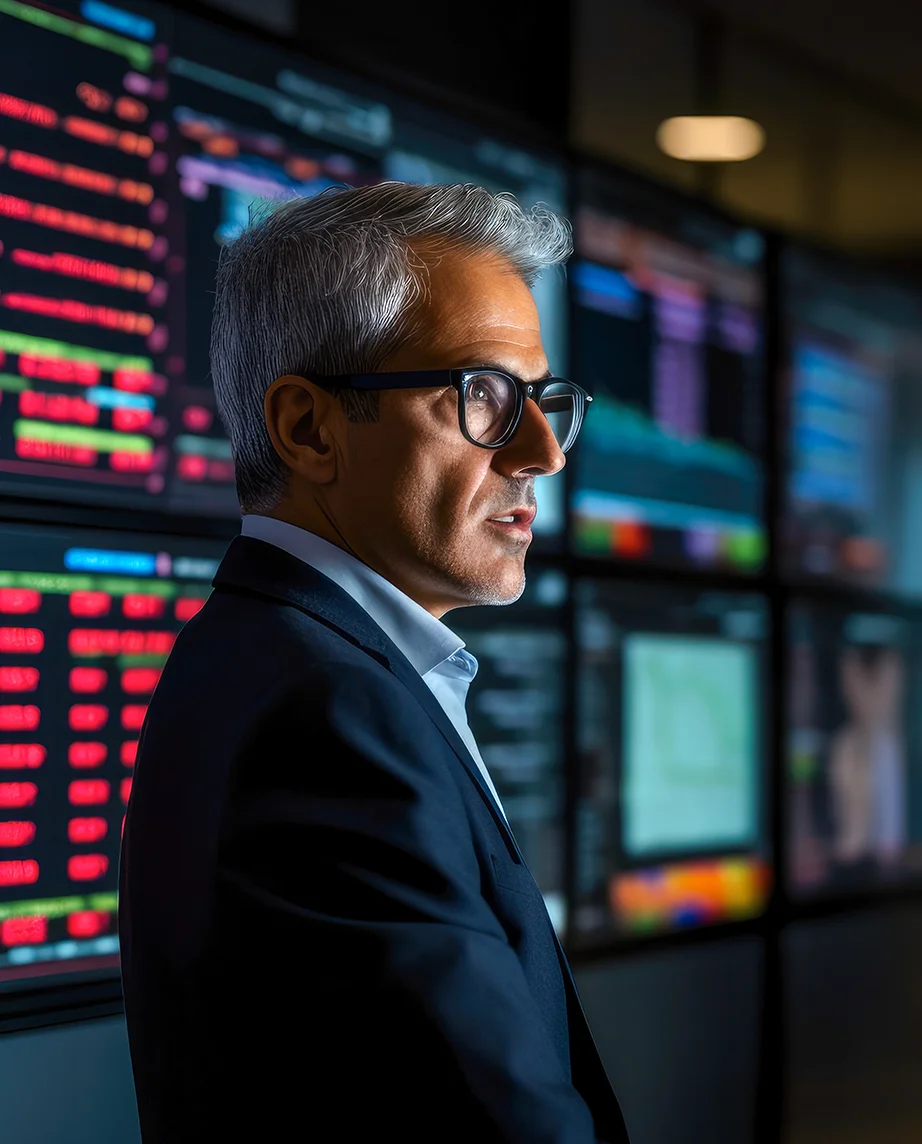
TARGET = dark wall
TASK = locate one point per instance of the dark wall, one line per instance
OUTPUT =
(854, 1028)
(69, 1084)
(513, 57)
(678, 1031)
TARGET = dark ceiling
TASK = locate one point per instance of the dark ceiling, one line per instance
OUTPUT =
(879, 43)
(836, 86)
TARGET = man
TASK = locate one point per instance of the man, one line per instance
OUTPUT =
(328, 930)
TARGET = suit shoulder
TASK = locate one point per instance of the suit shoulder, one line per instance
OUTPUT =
(261, 623)
(249, 643)
(265, 670)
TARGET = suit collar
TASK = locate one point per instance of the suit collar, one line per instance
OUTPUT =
(263, 569)
(267, 570)
(424, 640)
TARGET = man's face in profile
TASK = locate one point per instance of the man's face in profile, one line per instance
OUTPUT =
(412, 497)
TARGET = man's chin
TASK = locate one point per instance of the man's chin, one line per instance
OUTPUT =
(476, 574)
(496, 591)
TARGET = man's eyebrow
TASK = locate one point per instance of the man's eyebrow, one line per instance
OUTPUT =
(505, 369)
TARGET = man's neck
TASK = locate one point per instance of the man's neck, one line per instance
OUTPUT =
(312, 519)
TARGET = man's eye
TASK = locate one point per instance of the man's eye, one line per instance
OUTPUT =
(482, 392)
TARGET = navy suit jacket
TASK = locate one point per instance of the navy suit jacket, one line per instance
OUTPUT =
(327, 927)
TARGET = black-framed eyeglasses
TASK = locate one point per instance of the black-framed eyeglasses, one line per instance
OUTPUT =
(490, 401)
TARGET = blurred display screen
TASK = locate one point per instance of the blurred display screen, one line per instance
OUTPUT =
(854, 451)
(668, 339)
(87, 620)
(515, 710)
(854, 749)
(671, 730)
(128, 159)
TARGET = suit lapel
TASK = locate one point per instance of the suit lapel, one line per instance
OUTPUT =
(267, 570)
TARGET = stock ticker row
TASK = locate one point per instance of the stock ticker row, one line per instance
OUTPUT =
(134, 142)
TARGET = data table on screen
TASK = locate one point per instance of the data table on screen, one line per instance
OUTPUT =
(854, 748)
(668, 339)
(87, 620)
(516, 712)
(128, 163)
(86, 264)
(853, 387)
(671, 819)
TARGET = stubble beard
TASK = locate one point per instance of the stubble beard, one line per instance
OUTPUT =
(486, 588)
(452, 564)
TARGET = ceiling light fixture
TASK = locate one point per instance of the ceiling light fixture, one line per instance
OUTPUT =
(710, 138)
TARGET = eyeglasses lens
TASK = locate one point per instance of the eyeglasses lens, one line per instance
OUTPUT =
(489, 406)
(558, 404)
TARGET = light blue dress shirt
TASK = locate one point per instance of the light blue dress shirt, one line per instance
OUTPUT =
(432, 648)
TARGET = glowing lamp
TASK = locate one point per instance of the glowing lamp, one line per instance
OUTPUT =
(710, 138)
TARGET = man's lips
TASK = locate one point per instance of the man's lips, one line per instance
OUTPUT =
(521, 516)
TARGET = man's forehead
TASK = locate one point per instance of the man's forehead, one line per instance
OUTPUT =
(482, 336)
(472, 276)
(478, 310)
(494, 303)
(486, 325)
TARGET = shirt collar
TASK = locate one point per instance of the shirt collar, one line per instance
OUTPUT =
(424, 640)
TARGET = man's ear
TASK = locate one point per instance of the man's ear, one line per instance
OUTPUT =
(297, 413)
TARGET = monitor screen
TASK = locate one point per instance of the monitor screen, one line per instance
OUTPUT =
(668, 340)
(854, 749)
(130, 157)
(671, 718)
(515, 711)
(87, 619)
(853, 379)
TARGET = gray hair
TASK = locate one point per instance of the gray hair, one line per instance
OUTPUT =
(327, 285)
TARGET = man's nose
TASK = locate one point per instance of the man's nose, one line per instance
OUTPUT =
(534, 450)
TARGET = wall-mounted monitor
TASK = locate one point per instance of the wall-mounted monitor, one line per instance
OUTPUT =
(128, 159)
(87, 619)
(516, 712)
(853, 383)
(668, 338)
(671, 827)
(854, 748)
